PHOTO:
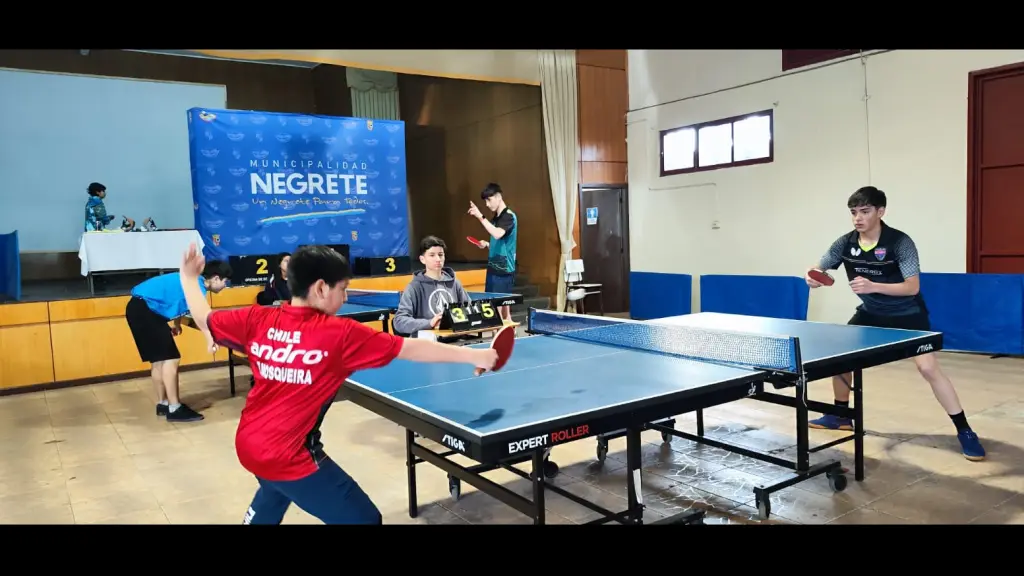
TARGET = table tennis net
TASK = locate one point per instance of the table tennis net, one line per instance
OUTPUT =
(381, 298)
(776, 353)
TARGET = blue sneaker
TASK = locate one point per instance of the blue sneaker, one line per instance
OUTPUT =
(971, 445)
(830, 422)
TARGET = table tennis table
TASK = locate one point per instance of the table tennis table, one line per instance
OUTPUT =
(578, 376)
(372, 305)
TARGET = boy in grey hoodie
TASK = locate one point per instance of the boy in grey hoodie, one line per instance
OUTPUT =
(423, 300)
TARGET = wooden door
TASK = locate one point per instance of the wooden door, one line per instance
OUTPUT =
(604, 245)
(995, 171)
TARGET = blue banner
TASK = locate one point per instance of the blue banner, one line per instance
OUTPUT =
(268, 182)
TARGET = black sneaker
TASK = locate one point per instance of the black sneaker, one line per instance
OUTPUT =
(184, 414)
(162, 409)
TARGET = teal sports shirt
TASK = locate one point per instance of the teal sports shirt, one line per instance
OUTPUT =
(502, 254)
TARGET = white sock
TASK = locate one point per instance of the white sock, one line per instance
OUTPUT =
(173, 407)
(162, 403)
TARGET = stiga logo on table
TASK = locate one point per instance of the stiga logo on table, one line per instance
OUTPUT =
(454, 443)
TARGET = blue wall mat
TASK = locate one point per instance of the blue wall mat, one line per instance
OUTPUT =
(770, 296)
(977, 312)
(657, 295)
(10, 266)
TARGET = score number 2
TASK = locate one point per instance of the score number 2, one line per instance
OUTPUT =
(261, 266)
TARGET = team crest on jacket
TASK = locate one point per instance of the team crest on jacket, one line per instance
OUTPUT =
(880, 253)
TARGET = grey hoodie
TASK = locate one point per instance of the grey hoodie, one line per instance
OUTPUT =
(425, 298)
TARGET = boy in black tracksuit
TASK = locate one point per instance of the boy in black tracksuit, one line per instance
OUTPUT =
(423, 300)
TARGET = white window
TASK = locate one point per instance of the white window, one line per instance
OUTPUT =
(738, 141)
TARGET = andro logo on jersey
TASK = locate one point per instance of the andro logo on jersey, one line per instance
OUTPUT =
(290, 354)
(453, 442)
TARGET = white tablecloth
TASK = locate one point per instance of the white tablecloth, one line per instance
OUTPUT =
(119, 251)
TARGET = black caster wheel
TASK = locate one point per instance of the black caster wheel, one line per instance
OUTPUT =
(666, 437)
(454, 487)
(550, 469)
(602, 450)
(837, 481)
(764, 507)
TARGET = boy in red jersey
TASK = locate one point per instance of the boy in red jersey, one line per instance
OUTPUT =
(301, 353)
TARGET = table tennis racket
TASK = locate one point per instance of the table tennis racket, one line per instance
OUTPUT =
(503, 342)
(473, 241)
(820, 276)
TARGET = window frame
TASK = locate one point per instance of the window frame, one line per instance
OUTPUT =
(731, 121)
(793, 59)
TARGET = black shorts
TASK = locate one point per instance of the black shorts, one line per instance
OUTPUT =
(152, 335)
(916, 321)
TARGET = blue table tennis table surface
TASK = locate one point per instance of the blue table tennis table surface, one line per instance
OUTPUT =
(551, 377)
(367, 302)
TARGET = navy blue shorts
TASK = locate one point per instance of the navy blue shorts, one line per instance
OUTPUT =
(498, 282)
(329, 494)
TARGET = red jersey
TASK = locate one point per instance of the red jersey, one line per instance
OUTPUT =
(299, 357)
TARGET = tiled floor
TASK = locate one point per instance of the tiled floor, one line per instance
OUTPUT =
(98, 454)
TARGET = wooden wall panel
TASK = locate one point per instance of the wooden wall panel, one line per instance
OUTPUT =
(603, 102)
(462, 134)
(26, 358)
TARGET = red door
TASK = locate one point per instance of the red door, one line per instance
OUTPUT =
(995, 171)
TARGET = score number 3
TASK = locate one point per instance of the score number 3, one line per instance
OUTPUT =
(459, 314)
(389, 264)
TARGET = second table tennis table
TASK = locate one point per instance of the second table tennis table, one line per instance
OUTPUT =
(585, 376)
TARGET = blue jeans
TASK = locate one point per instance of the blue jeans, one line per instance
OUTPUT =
(329, 494)
(498, 282)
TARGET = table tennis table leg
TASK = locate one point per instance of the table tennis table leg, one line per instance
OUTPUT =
(540, 459)
(803, 432)
(410, 464)
(858, 425)
(634, 488)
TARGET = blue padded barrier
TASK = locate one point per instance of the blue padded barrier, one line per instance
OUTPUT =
(770, 296)
(658, 295)
(977, 312)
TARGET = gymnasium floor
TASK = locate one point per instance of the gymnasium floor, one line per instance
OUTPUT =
(98, 454)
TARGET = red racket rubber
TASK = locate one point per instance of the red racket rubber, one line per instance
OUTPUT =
(821, 276)
(503, 342)
(473, 241)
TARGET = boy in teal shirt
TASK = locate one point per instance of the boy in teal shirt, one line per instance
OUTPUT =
(503, 229)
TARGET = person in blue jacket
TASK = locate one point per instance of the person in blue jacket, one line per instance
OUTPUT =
(96, 217)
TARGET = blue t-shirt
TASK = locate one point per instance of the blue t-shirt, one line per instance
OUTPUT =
(163, 295)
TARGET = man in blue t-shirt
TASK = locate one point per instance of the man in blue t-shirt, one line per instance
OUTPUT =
(501, 256)
(155, 303)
